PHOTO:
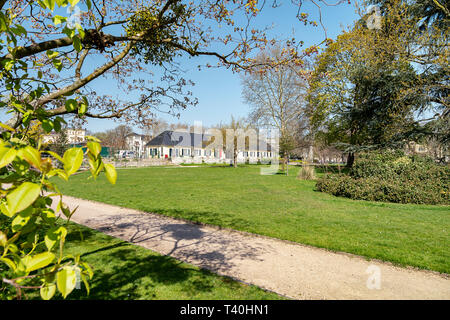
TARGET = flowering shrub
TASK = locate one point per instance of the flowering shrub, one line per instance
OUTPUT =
(391, 177)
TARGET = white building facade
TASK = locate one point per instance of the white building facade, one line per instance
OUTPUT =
(186, 147)
(74, 136)
(136, 143)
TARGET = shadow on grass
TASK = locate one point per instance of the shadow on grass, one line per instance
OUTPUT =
(213, 218)
(322, 169)
(124, 273)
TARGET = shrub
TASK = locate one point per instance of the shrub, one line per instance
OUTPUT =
(391, 177)
(306, 173)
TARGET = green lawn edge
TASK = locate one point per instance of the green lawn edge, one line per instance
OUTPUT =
(281, 207)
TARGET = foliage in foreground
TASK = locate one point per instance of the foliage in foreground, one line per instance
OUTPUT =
(31, 240)
(391, 177)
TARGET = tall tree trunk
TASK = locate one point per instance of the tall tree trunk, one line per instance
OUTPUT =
(235, 158)
(350, 159)
(286, 162)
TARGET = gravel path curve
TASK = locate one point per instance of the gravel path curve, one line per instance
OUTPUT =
(294, 270)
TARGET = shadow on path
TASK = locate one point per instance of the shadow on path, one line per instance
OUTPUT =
(213, 250)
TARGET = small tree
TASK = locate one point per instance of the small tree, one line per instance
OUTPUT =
(276, 97)
(61, 143)
(235, 127)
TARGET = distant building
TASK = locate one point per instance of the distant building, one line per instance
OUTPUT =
(136, 143)
(74, 136)
(174, 144)
(178, 145)
(435, 150)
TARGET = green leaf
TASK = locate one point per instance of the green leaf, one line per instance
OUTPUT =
(49, 4)
(9, 64)
(21, 219)
(92, 138)
(7, 155)
(72, 160)
(57, 123)
(55, 155)
(94, 147)
(19, 30)
(9, 263)
(47, 125)
(58, 19)
(5, 211)
(62, 174)
(47, 291)
(6, 127)
(3, 239)
(96, 166)
(69, 32)
(57, 64)
(87, 269)
(54, 235)
(32, 156)
(66, 280)
(38, 261)
(86, 283)
(111, 173)
(73, 2)
(89, 4)
(82, 109)
(71, 105)
(48, 216)
(77, 43)
(22, 197)
(52, 54)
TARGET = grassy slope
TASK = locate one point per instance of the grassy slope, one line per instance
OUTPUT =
(126, 271)
(281, 207)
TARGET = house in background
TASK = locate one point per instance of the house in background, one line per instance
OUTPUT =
(195, 147)
(182, 147)
(136, 144)
(74, 136)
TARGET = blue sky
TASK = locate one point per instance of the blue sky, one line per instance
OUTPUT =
(219, 90)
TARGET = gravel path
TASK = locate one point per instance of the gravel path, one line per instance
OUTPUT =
(294, 270)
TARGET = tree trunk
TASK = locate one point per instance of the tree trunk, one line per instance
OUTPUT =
(350, 159)
(235, 158)
(286, 162)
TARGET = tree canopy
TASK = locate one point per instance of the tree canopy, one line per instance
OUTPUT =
(374, 87)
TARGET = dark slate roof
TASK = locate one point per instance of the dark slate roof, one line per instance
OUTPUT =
(187, 139)
(179, 139)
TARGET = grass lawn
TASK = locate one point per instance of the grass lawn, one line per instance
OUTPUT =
(126, 271)
(281, 207)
